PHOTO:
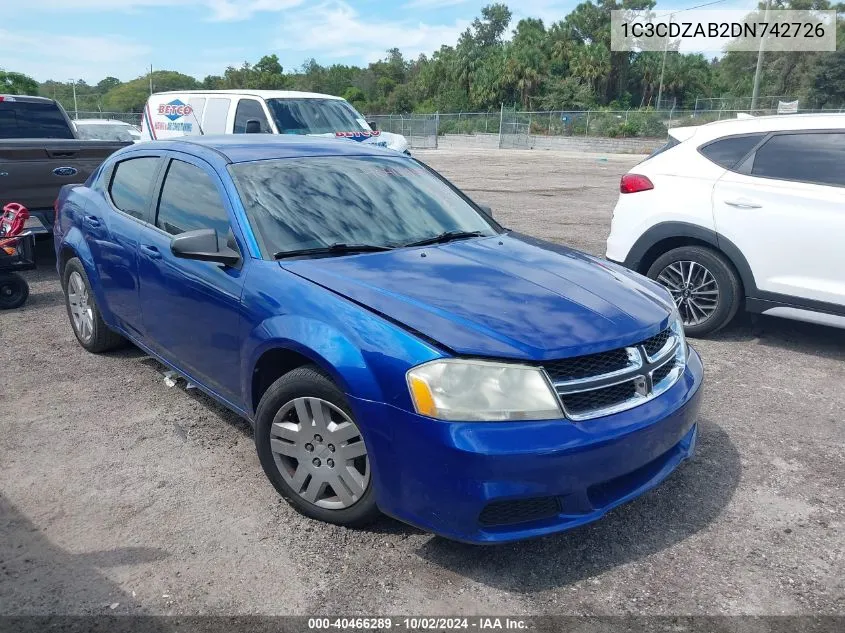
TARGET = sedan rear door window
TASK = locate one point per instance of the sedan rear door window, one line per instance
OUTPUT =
(131, 185)
(728, 151)
(814, 158)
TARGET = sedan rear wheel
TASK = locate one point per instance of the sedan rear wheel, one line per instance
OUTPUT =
(88, 325)
(81, 311)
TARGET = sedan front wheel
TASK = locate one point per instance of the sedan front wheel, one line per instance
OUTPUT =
(312, 450)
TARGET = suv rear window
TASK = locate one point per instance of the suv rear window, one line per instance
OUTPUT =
(815, 158)
(727, 152)
(25, 119)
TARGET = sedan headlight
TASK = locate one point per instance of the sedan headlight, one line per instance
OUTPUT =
(470, 390)
(676, 325)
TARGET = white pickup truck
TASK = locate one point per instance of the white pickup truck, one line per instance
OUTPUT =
(191, 112)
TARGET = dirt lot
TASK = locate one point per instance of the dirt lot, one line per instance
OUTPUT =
(121, 495)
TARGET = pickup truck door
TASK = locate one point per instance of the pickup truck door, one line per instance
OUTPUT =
(191, 309)
(111, 222)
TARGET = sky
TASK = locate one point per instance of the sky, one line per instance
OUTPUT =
(90, 39)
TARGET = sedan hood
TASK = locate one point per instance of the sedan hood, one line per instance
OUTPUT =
(508, 296)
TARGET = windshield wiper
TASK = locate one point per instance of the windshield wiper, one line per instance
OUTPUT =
(448, 236)
(332, 249)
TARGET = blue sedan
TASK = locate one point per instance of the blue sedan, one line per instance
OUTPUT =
(394, 347)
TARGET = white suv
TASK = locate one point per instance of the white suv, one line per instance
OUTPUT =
(741, 213)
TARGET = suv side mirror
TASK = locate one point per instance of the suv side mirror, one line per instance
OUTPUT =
(202, 245)
(253, 126)
(373, 125)
(486, 209)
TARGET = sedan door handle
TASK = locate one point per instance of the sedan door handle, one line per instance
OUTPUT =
(91, 220)
(743, 204)
(150, 251)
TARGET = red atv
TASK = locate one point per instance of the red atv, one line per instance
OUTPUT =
(17, 252)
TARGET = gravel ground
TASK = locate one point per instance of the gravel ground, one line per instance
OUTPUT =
(121, 495)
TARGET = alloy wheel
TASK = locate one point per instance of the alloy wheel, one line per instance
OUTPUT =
(320, 453)
(694, 289)
(81, 310)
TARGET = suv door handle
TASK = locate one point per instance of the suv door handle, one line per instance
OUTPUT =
(91, 220)
(150, 251)
(743, 204)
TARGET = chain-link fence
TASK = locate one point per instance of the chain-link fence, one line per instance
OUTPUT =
(768, 102)
(420, 130)
(630, 130)
(134, 118)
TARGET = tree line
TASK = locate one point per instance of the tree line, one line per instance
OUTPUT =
(566, 65)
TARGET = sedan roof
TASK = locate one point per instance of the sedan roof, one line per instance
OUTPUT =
(242, 148)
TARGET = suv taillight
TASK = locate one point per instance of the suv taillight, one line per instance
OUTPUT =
(633, 183)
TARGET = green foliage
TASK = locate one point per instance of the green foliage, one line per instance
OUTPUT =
(566, 65)
(829, 80)
(17, 83)
(131, 96)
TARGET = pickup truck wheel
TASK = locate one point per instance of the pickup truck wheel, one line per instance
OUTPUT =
(88, 325)
(312, 450)
(704, 285)
(14, 291)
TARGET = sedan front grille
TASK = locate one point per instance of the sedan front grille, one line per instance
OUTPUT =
(583, 402)
(656, 343)
(587, 366)
(601, 384)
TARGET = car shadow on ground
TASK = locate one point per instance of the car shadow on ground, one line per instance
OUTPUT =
(685, 504)
(36, 576)
(795, 336)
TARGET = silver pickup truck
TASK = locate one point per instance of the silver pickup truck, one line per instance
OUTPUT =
(40, 152)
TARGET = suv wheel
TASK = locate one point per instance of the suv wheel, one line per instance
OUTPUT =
(312, 450)
(703, 283)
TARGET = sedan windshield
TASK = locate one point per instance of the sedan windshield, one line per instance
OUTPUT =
(315, 116)
(330, 202)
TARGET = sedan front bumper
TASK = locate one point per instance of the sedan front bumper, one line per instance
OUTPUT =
(493, 482)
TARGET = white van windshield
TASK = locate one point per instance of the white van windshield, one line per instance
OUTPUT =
(315, 116)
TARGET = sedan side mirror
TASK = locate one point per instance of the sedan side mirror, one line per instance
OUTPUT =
(202, 245)
(373, 125)
(486, 209)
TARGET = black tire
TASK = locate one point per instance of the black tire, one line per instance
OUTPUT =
(307, 381)
(101, 338)
(728, 284)
(14, 291)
